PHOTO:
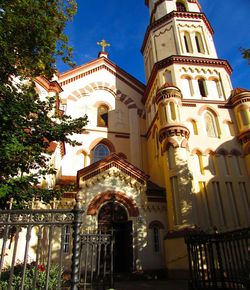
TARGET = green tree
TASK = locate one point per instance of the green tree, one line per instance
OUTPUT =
(32, 37)
(246, 54)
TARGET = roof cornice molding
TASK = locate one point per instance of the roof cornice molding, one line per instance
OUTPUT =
(49, 86)
(160, 1)
(113, 160)
(96, 65)
(239, 96)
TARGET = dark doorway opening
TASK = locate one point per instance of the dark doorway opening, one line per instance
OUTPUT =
(113, 218)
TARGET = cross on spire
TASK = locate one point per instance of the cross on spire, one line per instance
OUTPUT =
(103, 44)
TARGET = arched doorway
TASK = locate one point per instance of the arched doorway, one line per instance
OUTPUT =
(113, 216)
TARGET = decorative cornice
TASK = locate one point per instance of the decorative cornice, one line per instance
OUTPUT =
(173, 130)
(96, 65)
(167, 92)
(66, 180)
(239, 96)
(244, 137)
(49, 86)
(188, 60)
(62, 149)
(161, 1)
(182, 232)
(188, 105)
(155, 193)
(113, 160)
(170, 16)
(194, 102)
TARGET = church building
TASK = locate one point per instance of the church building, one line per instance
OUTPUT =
(160, 159)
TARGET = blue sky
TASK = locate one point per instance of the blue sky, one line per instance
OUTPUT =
(123, 24)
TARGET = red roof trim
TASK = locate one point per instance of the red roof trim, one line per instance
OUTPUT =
(111, 196)
(49, 86)
(103, 64)
(113, 160)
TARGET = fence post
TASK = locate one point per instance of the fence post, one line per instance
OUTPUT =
(75, 266)
(220, 262)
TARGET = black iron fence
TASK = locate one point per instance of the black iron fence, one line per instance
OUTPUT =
(96, 260)
(46, 249)
(219, 261)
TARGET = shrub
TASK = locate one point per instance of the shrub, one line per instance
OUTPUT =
(29, 277)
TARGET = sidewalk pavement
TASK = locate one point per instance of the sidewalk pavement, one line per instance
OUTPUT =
(152, 285)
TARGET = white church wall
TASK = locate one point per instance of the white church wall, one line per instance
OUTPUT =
(164, 47)
(83, 96)
(151, 257)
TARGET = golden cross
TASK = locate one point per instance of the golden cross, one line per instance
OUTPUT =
(103, 44)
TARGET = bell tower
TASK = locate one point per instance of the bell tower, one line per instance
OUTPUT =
(178, 48)
(191, 114)
(197, 126)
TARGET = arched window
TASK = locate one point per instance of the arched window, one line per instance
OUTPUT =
(211, 163)
(218, 87)
(85, 156)
(156, 236)
(210, 123)
(199, 43)
(168, 77)
(187, 42)
(164, 114)
(198, 163)
(187, 86)
(102, 116)
(156, 226)
(193, 127)
(100, 152)
(244, 117)
(181, 6)
(172, 110)
(215, 88)
(202, 87)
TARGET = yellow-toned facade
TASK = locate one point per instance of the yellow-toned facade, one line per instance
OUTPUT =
(174, 153)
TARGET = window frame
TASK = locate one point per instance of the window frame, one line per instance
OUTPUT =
(187, 42)
(99, 157)
(214, 124)
(199, 43)
(180, 6)
(101, 122)
(202, 87)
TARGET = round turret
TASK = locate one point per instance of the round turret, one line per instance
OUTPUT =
(169, 101)
(240, 100)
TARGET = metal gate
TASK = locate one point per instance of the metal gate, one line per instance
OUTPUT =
(46, 249)
(96, 261)
(219, 261)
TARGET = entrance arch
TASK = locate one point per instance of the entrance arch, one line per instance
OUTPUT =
(113, 217)
(120, 197)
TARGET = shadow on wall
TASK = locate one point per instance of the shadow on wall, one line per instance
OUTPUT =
(222, 200)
